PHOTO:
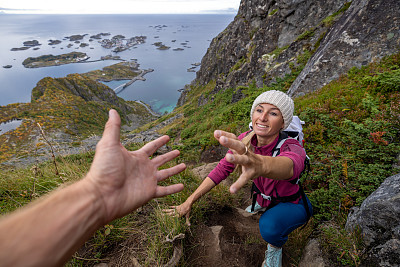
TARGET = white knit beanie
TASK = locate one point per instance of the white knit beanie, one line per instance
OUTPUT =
(279, 99)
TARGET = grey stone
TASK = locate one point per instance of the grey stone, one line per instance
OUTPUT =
(379, 220)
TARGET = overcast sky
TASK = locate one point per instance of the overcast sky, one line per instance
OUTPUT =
(119, 6)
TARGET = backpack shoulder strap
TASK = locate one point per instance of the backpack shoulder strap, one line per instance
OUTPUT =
(277, 148)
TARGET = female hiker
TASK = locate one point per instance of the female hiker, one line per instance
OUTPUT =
(274, 177)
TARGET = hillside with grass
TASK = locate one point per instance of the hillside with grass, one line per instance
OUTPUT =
(352, 137)
(67, 110)
(344, 75)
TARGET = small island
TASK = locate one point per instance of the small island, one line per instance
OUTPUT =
(27, 45)
(50, 60)
(161, 46)
(54, 42)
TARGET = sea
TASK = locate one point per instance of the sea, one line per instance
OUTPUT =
(188, 37)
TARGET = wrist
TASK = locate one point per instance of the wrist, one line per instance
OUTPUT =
(265, 165)
(189, 201)
(99, 205)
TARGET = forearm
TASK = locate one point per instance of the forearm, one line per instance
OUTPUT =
(203, 189)
(56, 225)
(277, 168)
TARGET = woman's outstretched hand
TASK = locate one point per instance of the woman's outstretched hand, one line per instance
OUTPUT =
(252, 164)
(181, 210)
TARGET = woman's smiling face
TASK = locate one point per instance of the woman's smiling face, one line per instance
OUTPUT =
(267, 122)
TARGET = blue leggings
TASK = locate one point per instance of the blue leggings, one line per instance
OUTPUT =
(278, 222)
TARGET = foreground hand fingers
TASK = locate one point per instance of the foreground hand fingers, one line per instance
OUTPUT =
(162, 191)
(112, 128)
(152, 146)
(162, 159)
(164, 174)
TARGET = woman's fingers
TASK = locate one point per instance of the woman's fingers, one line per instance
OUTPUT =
(219, 133)
(233, 144)
(240, 182)
(237, 159)
(171, 212)
(187, 219)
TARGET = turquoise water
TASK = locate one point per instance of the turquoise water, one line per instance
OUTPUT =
(8, 126)
(192, 33)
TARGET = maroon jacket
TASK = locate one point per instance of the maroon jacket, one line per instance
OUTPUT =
(291, 149)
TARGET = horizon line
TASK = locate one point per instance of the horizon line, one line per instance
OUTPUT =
(189, 13)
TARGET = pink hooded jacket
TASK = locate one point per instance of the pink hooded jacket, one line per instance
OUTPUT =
(291, 149)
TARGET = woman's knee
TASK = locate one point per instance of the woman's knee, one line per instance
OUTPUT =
(270, 230)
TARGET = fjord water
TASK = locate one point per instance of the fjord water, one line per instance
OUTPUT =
(192, 33)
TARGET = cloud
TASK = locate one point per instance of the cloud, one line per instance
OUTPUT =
(120, 6)
(17, 9)
(221, 11)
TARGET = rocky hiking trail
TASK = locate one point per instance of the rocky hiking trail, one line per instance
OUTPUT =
(229, 237)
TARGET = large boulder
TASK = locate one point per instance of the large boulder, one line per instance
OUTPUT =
(379, 220)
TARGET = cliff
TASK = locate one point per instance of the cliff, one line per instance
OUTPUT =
(271, 40)
(340, 61)
(69, 110)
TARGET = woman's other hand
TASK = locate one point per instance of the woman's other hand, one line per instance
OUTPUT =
(181, 210)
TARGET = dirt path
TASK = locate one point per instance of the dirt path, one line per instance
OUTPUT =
(229, 237)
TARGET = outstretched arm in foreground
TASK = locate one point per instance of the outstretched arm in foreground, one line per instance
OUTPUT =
(50, 230)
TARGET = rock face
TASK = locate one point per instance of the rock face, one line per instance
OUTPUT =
(379, 220)
(272, 39)
(368, 31)
(313, 256)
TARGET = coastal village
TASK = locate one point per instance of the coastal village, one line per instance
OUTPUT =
(120, 43)
(116, 44)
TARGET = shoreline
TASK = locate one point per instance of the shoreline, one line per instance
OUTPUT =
(140, 77)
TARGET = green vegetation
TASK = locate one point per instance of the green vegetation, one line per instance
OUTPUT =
(238, 64)
(273, 12)
(119, 71)
(64, 105)
(50, 60)
(330, 20)
(306, 35)
(351, 134)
